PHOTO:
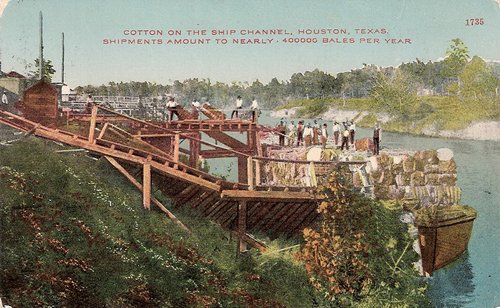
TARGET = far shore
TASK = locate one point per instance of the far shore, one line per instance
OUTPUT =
(479, 130)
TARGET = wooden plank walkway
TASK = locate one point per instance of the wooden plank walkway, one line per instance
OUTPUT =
(240, 207)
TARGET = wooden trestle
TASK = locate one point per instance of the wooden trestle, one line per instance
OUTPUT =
(134, 146)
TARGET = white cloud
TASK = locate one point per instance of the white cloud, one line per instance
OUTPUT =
(498, 2)
(3, 4)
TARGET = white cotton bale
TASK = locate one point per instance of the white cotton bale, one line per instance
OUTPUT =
(374, 163)
(444, 154)
(314, 154)
(397, 159)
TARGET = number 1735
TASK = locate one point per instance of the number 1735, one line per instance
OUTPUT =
(474, 22)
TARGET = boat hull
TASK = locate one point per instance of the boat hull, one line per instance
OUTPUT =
(443, 244)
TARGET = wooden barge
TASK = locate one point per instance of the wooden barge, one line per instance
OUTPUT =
(444, 233)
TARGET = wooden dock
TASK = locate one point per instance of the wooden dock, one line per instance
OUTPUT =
(154, 151)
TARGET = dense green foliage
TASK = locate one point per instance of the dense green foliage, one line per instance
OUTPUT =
(361, 254)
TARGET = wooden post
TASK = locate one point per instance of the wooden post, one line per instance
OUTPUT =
(242, 170)
(242, 224)
(250, 173)
(257, 172)
(93, 117)
(176, 147)
(140, 187)
(146, 185)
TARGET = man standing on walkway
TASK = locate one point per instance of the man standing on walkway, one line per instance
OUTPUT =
(300, 133)
(324, 135)
(345, 137)
(316, 132)
(292, 132)
(5, 100)
(352, 131)
(239, 104)
(308, 135)
(336, 132)
(255, 108)
(172, 107)
(377, 136)
(281, 128)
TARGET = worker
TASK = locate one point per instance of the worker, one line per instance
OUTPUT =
(292, 133)
(172, 107)
(377, 137)
(255, 109)
(336, 132)
(308, 135)
(281, 130)
(345, 137)
(316, 132)
(324, 135)
(352, 131)
(239, 104)
(300, 133)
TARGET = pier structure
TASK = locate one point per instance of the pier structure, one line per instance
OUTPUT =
(166, 156)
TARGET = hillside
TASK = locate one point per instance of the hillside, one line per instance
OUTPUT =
(74, 233)
(429, 115)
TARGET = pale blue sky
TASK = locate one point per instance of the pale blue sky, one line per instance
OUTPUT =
(429, 24)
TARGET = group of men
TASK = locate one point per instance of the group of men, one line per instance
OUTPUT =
(172, 106)
(254, 108)
(316, 134)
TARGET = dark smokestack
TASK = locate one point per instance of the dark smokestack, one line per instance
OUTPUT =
(41, 46)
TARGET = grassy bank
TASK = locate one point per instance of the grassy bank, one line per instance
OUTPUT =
(428, 113)
(74, 233)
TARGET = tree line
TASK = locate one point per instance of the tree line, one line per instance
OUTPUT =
(457, 74)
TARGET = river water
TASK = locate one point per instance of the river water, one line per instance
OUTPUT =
(474, 279)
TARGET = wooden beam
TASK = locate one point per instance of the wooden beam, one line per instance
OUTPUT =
(92, 123)
(139, 186)
(146, 185)
(242, 223)
(250, 173)
(176, 147)
(103, 130)
(278, 195)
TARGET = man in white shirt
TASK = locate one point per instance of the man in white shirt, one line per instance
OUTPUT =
(172, 107)
(239, 104)
(254, 107)
(195, 108)
(352, 131)
(5, 100)
(324, 135)
(345, 137)
(308, 135)
(336, 132)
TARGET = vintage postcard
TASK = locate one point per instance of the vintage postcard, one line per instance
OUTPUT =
(249, 153)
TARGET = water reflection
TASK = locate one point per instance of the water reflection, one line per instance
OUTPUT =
(453, 285)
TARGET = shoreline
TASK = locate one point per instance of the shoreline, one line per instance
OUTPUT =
(486, 130)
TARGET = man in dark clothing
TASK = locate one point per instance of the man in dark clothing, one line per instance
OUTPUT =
(345, 138)
(377, 136)
(300, 133)
(281, 131)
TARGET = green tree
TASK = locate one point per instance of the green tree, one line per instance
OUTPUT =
(48, 70)
(478, 79)
(457, 56)
(394, 94)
